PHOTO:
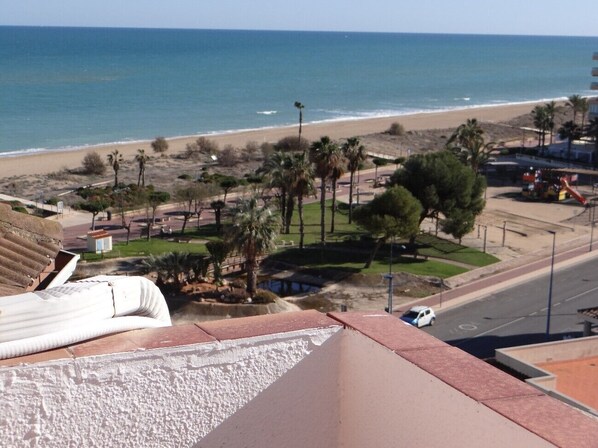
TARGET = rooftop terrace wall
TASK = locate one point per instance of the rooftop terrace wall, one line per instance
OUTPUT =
(294, 380)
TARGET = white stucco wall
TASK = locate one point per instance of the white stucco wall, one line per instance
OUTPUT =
(175, 397)
(388, 402)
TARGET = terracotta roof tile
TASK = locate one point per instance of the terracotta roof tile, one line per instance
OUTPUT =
(267, 324)
(552, 420)
(50, 355)
(388, 330)
(475, 378)
(145, 339)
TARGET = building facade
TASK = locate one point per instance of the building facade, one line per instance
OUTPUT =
(594, 86)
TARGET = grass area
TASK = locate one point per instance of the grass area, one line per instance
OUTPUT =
(346, 258)
(346, 250)
(431, 246)
(142, 247)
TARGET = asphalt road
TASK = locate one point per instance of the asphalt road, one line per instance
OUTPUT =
(517, 316)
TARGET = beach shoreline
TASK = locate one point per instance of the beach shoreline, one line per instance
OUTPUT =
(45, 162)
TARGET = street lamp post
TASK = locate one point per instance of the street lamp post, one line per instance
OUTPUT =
(389, 278)
(550, 285)
(592, 216)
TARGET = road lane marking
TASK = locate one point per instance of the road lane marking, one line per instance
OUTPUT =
(581, 294)
(499, 327)
(533, 314)
(468, 327)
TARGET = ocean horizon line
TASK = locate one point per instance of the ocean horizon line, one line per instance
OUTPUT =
(217, 133)
(264, 30)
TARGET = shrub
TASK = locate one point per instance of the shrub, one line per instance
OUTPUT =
(292, 143)
(236, 296)
(264, 296)
(93, 164)
(185, 177)
(396, 129)
(192, 151)
(250, 152)
(160, 145)
(206, 146)
(238, 283)
(229, 156)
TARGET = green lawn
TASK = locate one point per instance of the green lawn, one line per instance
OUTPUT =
(346, 250)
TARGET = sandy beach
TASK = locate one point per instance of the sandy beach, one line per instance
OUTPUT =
(49, 162)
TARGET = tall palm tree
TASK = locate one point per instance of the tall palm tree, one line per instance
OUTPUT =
(325, 154)
(336, 172)
(570, 131)
(141, 158)
(217, 206)
(301, 176)
(541, 116)
(575, 104)
(477, 155)
(584, 107)
(253, 233)
(300, 107)
(115, 158)
(592, 132)
(355, 153)
(466, 134)
(276, 169)
(551, 109)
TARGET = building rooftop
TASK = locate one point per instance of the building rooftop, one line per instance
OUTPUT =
(29, 246)
(292, 379)
(565, 369)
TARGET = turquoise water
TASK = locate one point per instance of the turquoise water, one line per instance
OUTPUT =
(71, 87)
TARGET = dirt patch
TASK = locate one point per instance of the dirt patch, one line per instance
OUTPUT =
(360, 292)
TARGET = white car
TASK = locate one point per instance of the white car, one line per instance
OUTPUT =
(419, 316)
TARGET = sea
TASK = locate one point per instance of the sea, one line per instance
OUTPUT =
(66, 88)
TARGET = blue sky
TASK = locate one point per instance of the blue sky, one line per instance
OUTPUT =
(541, 17)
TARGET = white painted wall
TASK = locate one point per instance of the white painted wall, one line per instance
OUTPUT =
(175, 397)
(388, 402)
(313, 388)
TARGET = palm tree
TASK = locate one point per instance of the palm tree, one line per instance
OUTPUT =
(253, 233)
(217, 206)
(477, 154)
(276, 168)
(570, 131)
(336, 172)
(141, 158)
(541, 122)
(551, 109)
(301, 176)
(300, 106)
(115, 158)
(218, 250)
(592, 132)
(355, 155)
(466, 134)
(584, 107)
(325, 154)
(575, 104)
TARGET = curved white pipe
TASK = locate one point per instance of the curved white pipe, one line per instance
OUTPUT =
(70, 313)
